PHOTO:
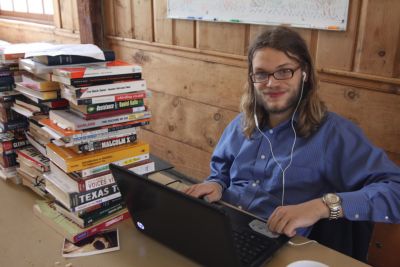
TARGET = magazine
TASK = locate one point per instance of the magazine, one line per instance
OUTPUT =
(104, 241)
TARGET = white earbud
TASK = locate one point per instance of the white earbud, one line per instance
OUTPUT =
(304, 76)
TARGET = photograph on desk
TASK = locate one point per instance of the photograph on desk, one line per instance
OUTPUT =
(102, 242)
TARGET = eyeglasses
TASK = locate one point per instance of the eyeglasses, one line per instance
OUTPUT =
(282, 74)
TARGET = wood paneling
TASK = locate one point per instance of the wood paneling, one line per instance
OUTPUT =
(375, 112)
(143, 20)
(109, 17)
(162, 25)
(184, 33)
(67, 14)
(226, 37)
(384, 245)
(379, 37)
(190, 161)
(123, 18)
(196, 124)
(204, 82)
(336, 49)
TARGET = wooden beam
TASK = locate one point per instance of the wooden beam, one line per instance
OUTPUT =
(91, 28)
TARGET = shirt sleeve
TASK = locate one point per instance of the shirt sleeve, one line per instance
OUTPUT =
(225, 153)
(366, 180)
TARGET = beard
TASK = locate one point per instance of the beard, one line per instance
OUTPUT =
(290, 103)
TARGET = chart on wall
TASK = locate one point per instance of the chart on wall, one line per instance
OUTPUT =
(315, 14)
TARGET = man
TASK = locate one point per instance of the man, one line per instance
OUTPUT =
(287, 159)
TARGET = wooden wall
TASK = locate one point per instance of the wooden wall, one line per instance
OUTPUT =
(197, 70)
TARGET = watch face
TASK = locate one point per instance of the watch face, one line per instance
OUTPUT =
(332, 198)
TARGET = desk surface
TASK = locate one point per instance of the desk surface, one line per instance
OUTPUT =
(27, 241)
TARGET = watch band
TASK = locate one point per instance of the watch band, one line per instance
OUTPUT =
(334, 203)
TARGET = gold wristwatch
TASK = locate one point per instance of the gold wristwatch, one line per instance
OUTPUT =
(334, 203)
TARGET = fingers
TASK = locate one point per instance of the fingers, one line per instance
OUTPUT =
(282, 222)
(210, 190)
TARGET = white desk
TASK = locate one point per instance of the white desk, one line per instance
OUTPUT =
(27, 241)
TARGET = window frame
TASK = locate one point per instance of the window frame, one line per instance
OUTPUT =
(30, 17)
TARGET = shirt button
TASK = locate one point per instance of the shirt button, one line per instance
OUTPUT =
(240, 207)
(262, 156)
(271, 131)
(356, 216)
(386, 217)
(254, 184)
(257, 181)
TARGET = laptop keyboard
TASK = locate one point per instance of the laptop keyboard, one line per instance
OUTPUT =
(250, 245)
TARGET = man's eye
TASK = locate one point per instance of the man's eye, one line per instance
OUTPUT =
(261, 75)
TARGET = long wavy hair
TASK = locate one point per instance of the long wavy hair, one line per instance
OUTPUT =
(311, 110)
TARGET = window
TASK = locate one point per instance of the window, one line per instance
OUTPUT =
(30, 10)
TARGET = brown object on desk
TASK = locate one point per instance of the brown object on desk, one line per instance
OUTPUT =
(27, 241)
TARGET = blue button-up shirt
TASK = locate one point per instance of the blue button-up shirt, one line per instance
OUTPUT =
(337, 158)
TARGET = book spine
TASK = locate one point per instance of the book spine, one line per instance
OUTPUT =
(73, 59)
(90, 218)
(92, 81)
(110, 98)
(97, 145)
(8, 160)
(35, 157)
(9, 146)
(13, 125)
(110, 120)
(106, 167)
(107, 89)
(80, 198)
(101, 134)
(104, 158)
(111, 113)
(100, 227)
(97, 108)
(96, 182)
(95, 202)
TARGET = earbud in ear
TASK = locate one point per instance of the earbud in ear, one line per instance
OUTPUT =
(304, 75)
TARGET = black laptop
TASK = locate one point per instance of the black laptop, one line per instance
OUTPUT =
(210, 234)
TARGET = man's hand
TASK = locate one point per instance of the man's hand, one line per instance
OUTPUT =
(286, 219)
(211, 191)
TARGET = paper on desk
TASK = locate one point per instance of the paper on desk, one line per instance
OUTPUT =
(25, 47)
(87, 50)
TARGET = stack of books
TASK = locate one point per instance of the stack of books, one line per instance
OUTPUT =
(107, 106)
(12, 124)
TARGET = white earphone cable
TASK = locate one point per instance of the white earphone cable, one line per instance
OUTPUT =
(294, 140)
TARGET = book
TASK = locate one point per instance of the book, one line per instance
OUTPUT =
(105, 99)
(107, 114)
(8, 160)
(71, 137)
(66, 119)
(8, 143)
(25, 111)
(105, 168)
(102, 242)
(38, 84)
(68, 160)
(43, 71)
(116, 67)
(74, 183)
(13, 125)
(43, 95)
(112, 142)
(96, 108)
(89, 218)
(33, 155)
(96, 80)
(8, 96)
(75, 201)
(105, 89)
(109, 55)
(70, 230)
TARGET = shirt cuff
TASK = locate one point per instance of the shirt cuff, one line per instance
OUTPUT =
(355, 206)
